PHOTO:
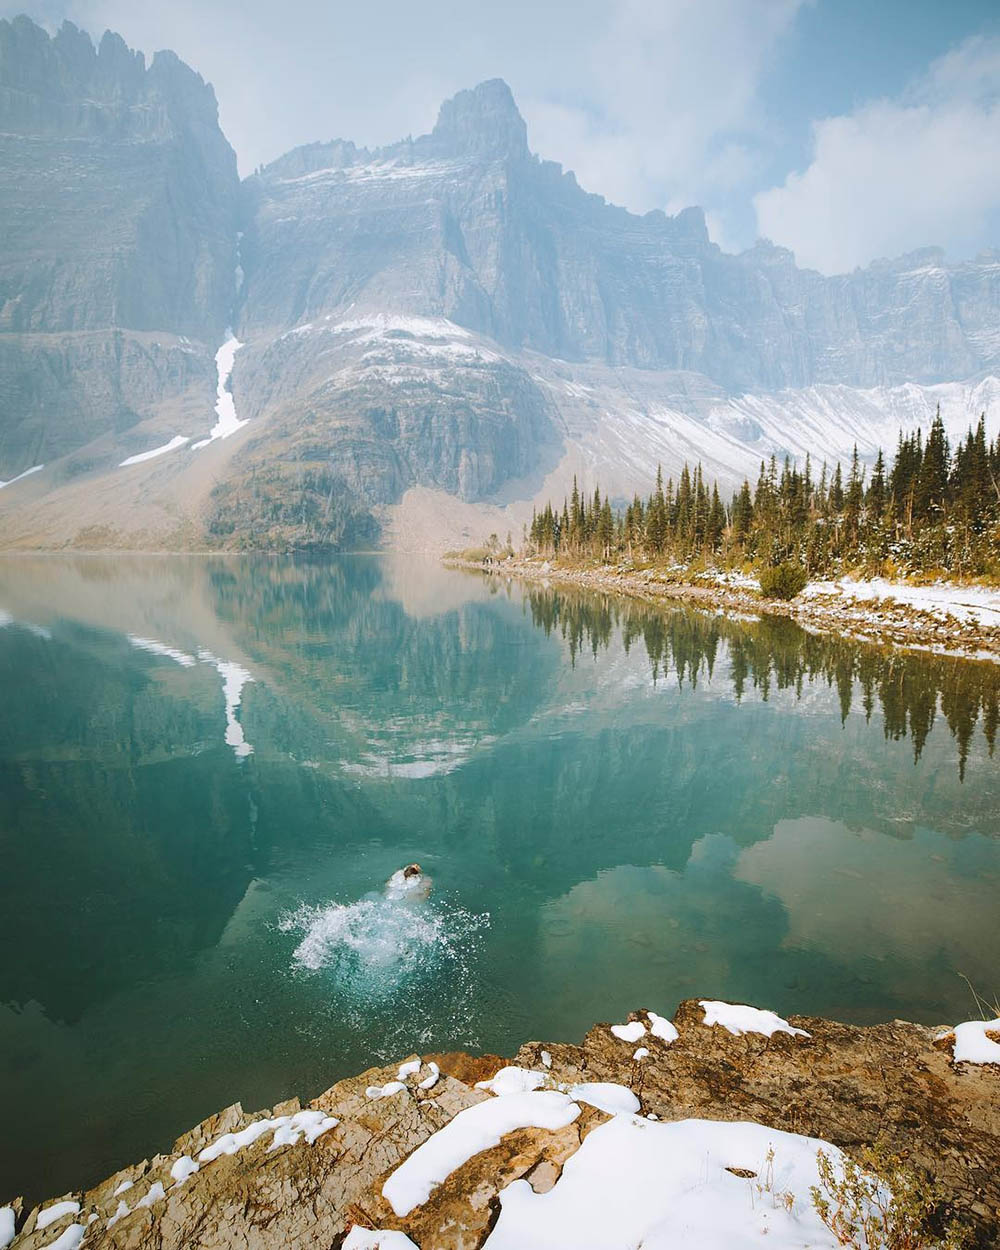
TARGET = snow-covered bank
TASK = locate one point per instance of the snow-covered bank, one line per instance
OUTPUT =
(977, 605)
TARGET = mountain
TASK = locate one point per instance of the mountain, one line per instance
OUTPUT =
(118, 198)
(429, 336)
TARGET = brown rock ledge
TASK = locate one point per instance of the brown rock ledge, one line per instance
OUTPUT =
(849, 1085)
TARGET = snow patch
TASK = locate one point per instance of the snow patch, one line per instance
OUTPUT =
(227, 422)
(124, 1187)
(156, 1194)
(6, 1227)
(606, 1096)
(388, 1090)
(375, 1239)
(660, 1186)
(70, 1239)
(629, 1032)
(35, 468)
(739, 1019)
(512, 1080)
(177, 441)
(184, 1169)
(473, 1130)
(975, 604)
(121, 1211)
(973, 1046)
(56, 1212)
(641, 1053)
(286, 1130)
(662, 1028)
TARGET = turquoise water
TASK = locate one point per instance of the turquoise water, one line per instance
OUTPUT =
(209, 767)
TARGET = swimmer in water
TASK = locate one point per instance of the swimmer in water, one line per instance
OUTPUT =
(409, 882)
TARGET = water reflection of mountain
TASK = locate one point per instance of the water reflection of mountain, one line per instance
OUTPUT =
(126, 828)
(694, 805)
(773, 653)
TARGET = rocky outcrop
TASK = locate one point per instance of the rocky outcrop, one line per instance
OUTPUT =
(850, 1086)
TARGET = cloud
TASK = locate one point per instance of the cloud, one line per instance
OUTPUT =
(670, 112)
(896, 175)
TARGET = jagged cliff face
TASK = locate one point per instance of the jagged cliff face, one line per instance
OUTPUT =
(117, 197)
(448, 313)
(466, 224)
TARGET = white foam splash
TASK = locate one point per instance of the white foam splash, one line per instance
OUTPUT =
(372, 948)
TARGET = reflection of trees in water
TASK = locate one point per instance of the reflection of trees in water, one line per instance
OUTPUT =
(909, 689)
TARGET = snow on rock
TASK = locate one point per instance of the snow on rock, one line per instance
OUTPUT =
(606, 1096)
(156, 1194)
(430, 1081)
(661, 1186)
(6, 1227)
(546, 1059)
(662, 1028)
(473, 1130)
(177, 441)
(376, 1239)
(629, 1032)
(286, 1130)
(55, 1212)
(969, 604)
(972, 1044)
(121, 1211)
(308, 1124)
(184, 1169)
(69, 1239)
(122, 1188)
(385, 1091)
(641, 1053)
(512, 1081)
(35, 468)
(225, 407)
(408, 1069)
(739, 1019)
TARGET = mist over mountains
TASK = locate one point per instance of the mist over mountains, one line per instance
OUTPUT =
(449, 313)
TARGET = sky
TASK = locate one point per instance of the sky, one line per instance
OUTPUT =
(845, 130)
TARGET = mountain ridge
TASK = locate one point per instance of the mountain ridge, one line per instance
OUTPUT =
(449, 313)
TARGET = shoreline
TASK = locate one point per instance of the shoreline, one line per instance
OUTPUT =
(882, 622)
(378, 1151)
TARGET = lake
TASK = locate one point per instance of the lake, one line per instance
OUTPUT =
(210, 766)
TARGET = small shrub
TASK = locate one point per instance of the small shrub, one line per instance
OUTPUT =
(881, 1203)
(783, 581)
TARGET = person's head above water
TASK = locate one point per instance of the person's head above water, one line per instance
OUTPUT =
(411, 870)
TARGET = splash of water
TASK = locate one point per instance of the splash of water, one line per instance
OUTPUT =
(376, 947)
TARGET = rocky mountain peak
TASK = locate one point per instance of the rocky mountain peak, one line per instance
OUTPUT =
(483, 121)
